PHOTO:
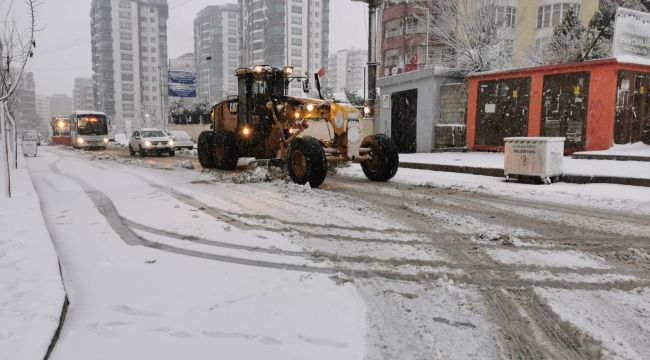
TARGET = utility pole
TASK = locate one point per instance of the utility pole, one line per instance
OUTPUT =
(373, 6)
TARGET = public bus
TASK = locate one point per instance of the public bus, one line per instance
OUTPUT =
(60, 130)
(89, 130)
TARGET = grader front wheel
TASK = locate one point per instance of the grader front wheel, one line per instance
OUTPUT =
(204, 146)
(225, 151)
(306, 161)
(384, 158)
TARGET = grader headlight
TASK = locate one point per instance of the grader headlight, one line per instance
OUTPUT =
(296, 115)
(310, 107)
(288, 70)
(246, 131)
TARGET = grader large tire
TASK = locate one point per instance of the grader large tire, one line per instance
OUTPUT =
(306, 161)
(204, 147)
(384, 158)
(225, 151)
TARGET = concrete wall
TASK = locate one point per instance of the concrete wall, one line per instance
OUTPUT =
(450, 130)
(428, 82)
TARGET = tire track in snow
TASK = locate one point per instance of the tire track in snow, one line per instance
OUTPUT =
(106, 207)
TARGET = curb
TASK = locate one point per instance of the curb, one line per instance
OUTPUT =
(494, 172)
(454, 168)
(610, 157)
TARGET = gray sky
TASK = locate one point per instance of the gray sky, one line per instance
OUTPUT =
(63, 51)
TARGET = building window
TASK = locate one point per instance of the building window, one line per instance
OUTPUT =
(127, 77)
(232, 47)
(126, 57)
(125, 4)
(296, 31)
(153, 49)
(552, 15)
(296, 9)
(126, 46)
(296, 62)
(414, 26)
(125, 25)
(232, 40)
(127, 97)
(296, 41)
(507, 16)
(393, 28)
(143, 48)
(126, 66)
(128, 107)
(127, 87)
(392, 57)
(126, 36)
(124, 14)
(153, 20)
(153, 59)
(297, 20)
(232, 15)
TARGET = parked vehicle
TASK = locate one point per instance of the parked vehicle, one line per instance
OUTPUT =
(182, 140)
(151, 141)
(88, 129)
(29, 142)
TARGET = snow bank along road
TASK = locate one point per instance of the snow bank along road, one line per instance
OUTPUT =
(159, 263)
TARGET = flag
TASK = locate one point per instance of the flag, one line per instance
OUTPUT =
(321, 72)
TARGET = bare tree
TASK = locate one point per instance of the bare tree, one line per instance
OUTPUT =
(17, 41)
(479, 33)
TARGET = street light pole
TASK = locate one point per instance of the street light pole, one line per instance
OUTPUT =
(373, 5)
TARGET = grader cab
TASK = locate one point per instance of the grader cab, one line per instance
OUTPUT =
(263, 122)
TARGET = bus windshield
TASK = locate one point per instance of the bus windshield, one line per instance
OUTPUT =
(92, 125)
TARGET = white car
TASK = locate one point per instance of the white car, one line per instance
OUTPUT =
(151, 141)
(182, 140)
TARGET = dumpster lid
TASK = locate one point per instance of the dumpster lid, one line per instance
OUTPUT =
(540, 139)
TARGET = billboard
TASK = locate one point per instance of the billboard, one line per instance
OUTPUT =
(182, 84)
(631, 33)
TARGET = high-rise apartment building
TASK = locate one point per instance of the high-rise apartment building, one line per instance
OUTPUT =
(24, 110)
(60, 104)
(129, 55)
(43, 113)
(347, 70)
(286, 32)
(217, 49)
(82, 94)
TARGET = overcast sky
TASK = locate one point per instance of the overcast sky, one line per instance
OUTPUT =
(63, 45)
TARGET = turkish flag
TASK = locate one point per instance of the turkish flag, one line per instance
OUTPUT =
(321, 72)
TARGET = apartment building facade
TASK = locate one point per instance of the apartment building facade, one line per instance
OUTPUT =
(286, 32)
(217, 51)
(129, 58)
(82, 94)
(347, 70)
(406, 42)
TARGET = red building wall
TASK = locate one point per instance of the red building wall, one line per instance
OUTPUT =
(601, 108)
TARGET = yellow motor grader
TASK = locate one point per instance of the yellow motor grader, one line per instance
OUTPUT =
(265, 123)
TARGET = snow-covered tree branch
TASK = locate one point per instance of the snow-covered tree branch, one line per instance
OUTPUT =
(17, 29)
(479, 33)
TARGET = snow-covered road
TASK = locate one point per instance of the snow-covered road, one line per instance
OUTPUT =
(191, 264)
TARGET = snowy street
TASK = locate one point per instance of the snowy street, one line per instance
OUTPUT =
(164, 262)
